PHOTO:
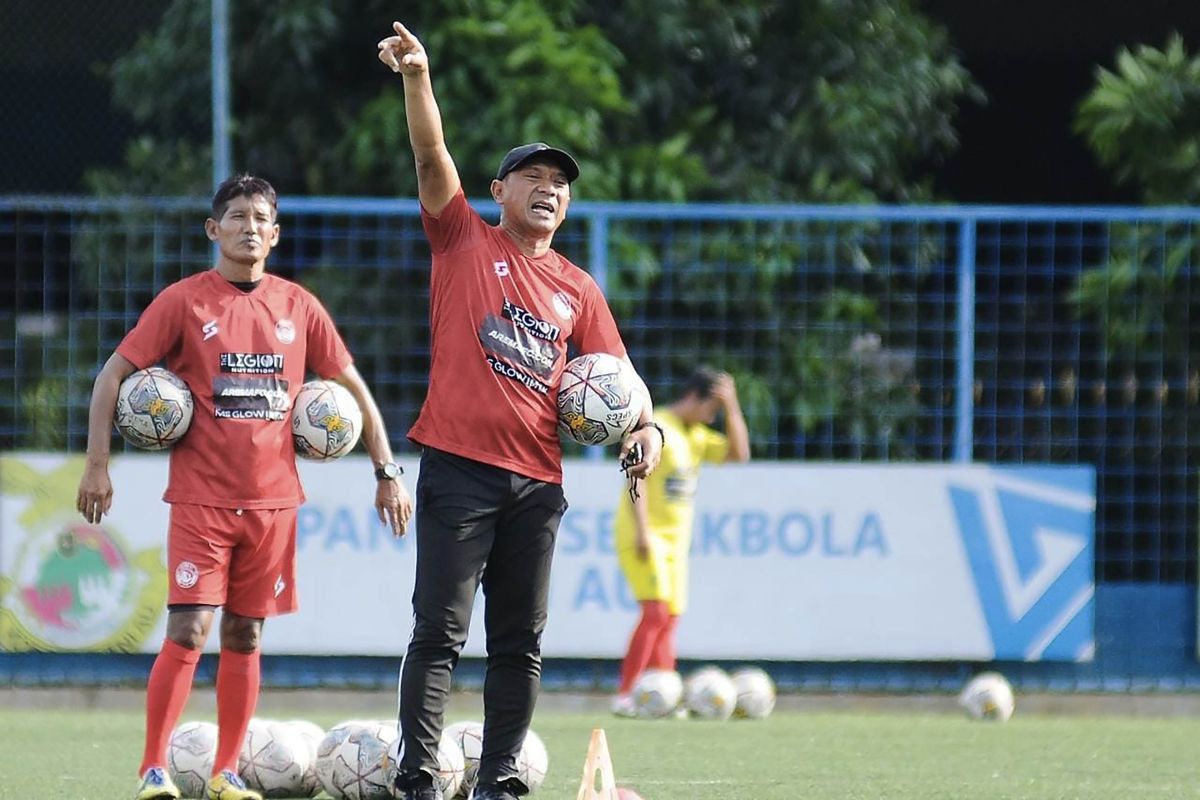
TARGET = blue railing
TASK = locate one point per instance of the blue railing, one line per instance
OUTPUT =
(930, 333)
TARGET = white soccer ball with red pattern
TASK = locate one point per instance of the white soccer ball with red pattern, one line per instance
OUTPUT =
(599, 399)
(326, 421)
(154, 409)
(448, 777)
(533, 762)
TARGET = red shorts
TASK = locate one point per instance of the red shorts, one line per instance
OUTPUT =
(241, 559)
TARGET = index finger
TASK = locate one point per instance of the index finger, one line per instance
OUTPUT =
(402, 31)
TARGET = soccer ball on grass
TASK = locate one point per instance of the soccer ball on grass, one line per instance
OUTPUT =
(988, 696)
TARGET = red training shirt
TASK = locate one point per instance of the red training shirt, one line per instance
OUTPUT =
(500, 322)
(244, 355)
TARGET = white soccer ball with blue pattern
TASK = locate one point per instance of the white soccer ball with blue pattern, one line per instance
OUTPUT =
(352, 761)
(468, 735)
(988, 696)
(190, 755)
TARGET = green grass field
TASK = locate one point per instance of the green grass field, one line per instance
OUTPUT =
(92, 755)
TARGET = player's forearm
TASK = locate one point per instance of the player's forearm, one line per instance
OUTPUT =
(101, 408)
(424, 120)
(641, 514)
(374, 437)
(737, 433)
(648, 406)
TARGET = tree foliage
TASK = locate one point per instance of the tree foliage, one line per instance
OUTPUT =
(760, 100)
(1142, 121)
(820, 100)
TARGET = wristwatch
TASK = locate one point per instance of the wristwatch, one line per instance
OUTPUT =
(389, 471)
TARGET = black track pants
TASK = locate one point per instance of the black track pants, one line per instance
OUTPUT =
(477, 523)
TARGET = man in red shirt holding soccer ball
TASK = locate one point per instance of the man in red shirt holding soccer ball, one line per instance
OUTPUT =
(503, 308)
(242, 340)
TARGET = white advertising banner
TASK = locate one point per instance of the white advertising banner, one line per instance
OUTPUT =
(789, 561)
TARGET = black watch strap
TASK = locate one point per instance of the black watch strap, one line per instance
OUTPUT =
(652, 424)
(389, 471)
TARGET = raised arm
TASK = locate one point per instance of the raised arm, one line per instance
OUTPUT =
(437, 177)
(736, 431)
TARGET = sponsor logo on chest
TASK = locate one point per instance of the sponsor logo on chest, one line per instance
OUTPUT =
(252, 363)
(530, 322)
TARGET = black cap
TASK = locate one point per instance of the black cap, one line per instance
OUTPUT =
(519, 155)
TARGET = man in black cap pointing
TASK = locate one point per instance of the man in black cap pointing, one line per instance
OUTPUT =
(504, 306)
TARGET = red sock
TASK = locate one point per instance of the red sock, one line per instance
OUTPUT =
(663, 654)
(641, 644)
(167, 692)
(237, 697)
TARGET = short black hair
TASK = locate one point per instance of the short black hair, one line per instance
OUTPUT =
(243, 185)
(701, 382)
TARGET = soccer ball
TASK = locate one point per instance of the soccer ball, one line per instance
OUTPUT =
(353, 763)
(709, 693)
(533, 762)
(657, 693)
(599, 399)
(274, 758)
(326, 421)
(468, 735)
(190, 756)
(988, 696)
(311, 734)
(154, 409)
(755, 693)
(448, 778)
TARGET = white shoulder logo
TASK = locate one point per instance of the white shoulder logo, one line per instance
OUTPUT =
(210, 329)
(562, 304)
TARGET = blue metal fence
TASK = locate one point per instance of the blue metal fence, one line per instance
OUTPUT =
(929, 333)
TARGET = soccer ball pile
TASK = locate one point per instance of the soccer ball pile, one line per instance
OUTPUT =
(708, 693)
(533, 762)
(599, 400)
(354, 760)
(988, 696)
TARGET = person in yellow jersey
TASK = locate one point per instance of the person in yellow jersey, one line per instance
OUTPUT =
(654, 529)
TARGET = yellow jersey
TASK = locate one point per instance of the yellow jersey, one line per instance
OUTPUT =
(671, 489)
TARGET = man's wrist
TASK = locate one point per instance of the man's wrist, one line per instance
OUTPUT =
(388, 471)
(651, 424)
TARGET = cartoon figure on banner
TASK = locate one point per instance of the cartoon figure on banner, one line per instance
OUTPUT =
(72, 585)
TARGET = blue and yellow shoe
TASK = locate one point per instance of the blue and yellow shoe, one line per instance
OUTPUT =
(157, 785)
(228, 786)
